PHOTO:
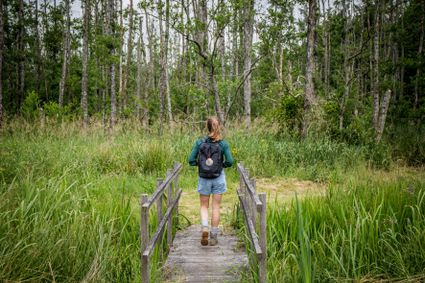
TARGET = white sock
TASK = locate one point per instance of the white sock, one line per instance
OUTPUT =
(204, 223)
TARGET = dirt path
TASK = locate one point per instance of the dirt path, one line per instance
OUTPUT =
(277, 189)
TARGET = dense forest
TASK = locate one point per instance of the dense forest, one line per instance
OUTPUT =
(351, 69)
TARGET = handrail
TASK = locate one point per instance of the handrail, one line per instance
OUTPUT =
(163, 185)
(250, 225)
(161, 226)
(249, 187)
(147, 245)
(253, 204)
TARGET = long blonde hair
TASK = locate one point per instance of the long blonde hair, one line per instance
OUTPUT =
(213, 126)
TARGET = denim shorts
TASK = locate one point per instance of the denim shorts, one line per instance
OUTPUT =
(216, 186)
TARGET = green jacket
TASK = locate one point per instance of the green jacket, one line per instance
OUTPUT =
(225, 149)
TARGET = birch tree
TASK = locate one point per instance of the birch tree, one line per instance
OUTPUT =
(21, 48)
(111, 33)
(129, 53)
(66, 51)
(84, 79)
(309, 92)
(248, 31)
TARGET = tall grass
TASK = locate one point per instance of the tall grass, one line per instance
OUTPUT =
(367, 231)
(69, 199)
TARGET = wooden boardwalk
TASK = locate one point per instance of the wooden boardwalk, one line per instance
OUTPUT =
(188, 261)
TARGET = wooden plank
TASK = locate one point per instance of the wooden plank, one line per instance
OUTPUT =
(250, 225)
(250, 189)
(191, 262)
(160, 190)
(148, 251)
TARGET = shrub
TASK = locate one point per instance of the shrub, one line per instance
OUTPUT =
(30, 106)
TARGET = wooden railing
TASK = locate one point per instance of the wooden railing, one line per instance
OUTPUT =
(254, 208)
(169, 184)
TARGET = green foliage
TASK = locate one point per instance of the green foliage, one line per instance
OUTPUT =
(54, 110)
(69, 204)
(30, 107)
(379, 155)
(287, 112)
(370, 230)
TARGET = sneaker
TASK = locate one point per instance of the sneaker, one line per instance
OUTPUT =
(213, 239)
(204, 237)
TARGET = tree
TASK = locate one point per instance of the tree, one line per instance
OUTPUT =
(21, 48)
(309, 93)
(111, 32)
(66, 51)
(248, 31)
(129, 52)
(164, 37)
(84, 79)
(1, 62)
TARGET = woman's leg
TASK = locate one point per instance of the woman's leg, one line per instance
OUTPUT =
(204, 218)
(216, 202)
(205, 199)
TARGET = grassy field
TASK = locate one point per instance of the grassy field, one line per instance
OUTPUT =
(69, 204)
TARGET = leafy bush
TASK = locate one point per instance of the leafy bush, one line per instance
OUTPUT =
(30, 106)
(54, 110)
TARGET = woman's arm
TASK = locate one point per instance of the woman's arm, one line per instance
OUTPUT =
(227, 155)
(193, 157)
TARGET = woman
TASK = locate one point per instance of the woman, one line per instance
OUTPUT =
(207, 153)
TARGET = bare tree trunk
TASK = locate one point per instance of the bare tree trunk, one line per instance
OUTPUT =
(145, 120)
(309, 92)
(375, 88)
(84, 79)
(402, 56)
(45, 30)
(202, 13)
(214, 88)
(21, 47)
(149, 29)
(38, 50)
(139, 72)
(421, 44)
(248, 31)
(222, 50)
(166, 42)
(235, 44)
(347, 67)
(383, 115)
(163, 76)
(66, 51)
(326, 51)
(121, 55)
(129, 52)
(1, 62)
(111, 32)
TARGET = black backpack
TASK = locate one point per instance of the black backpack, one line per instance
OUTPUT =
(210, 159)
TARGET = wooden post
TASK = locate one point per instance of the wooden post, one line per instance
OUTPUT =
(170, 220)
(144, 234)
(159, 210)
(253, 206)
(248, 200)
(263, 239)
(176, 188)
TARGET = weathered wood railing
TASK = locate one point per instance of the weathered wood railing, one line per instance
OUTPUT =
(169, 184)
(254, 208)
